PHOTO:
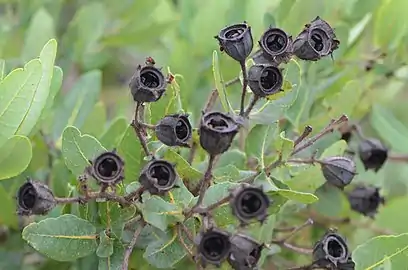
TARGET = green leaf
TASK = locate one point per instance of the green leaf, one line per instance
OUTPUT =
(180, 196)
(160, 213)
(2, 68)
(114, 217)
(78, 149)
(8, 215)
(265, 182)
(378, 250)
(389, 128)
(42, 90)
(298, 196)
(17, 90)
(56, 83)
(183, 168)
(105, 247)
(86, 28)
(131, 152)
(283, 146)
(390, 16)
(35, 39)
(115, 260)
(230, 173)
(219, 83)
(233, 157)
(386, 215)
(74, 107)
(222, 215)
(258, 140)
(65, 238)
(15, 156)
(110, 139)
(94, 123)
(165, 252)
(331, 201)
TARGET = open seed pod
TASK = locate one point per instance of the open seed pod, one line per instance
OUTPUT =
(34, 198)
(245, 252)
(276, 47)
(107, 168)
(158, 176)
(147, 84)
(213, 247)
(248, 203)
(265, 80)
(174, 130)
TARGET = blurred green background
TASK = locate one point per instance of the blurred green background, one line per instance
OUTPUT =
(100, 43)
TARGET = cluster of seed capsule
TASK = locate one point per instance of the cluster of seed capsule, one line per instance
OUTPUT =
(216, 133)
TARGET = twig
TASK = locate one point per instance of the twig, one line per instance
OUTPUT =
(306, 132)
(251, 105)
(136, 126)
(398, 157)
(93, 196)
(134, 195)
(332, 126)
(213, 206)
(308, 222)
(292, 247)
(206, 180)
(129, 249)
(187, 232)
(180, 237)
(244, 87)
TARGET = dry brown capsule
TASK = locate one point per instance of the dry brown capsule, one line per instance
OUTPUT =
(338, 171)
(217, 130)
(34, 198)
(373, 154)
(213, 247)
(276, 47)
(174, 130)
(265, 80)
(158, 176)
(107, 169)
(147, 84)
(315, 41)
(245, 252)
(332, 252)
(248, 202)
(365, 200)
(236, 40)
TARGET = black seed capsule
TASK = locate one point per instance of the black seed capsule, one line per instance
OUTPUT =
(365, 200)
(158, 176)
(248, 202)
(338, 171)
(265, 80)
(217, 130)
(332, 252)
(315, 41)
(174, 130)
(213, 247)
(34, 198)
(147, 84)
(107, 168)
(276, 47)
(373, 154)
(236, 41)
(245, 252)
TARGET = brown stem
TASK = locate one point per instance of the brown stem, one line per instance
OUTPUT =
(308, 222)
(244, 87)
(138, 129)
(186, 248)
(251, 105)
(213, 206)
(398, 157)
(129, 249)
(135, 194)
(306, 132)
(92, 196)
(332, 126)
(292, 247)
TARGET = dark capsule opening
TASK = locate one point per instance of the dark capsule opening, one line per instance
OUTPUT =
(269, 78)
(218, 123)
(378, 156)
(27, 196)
(182, 130)
(318, 39)
(250, 203)
(234, 33)
(215, 246)
(150, 79)
(161, 173)
(276, 42)
(335, 249)
(108, 167)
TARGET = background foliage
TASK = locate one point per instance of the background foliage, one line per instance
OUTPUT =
(81, 101)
